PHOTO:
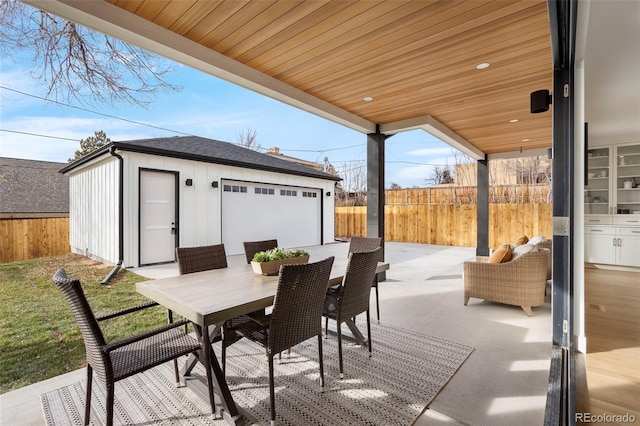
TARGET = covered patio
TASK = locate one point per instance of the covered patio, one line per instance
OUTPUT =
(463, 71)
(503, 381)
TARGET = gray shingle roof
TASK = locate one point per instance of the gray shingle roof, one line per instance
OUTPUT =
(209, 151)
(32, 186)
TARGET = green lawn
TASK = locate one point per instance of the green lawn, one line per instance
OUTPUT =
(39, 338)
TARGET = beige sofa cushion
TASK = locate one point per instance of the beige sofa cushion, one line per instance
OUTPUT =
(522, 249)
(537, 239)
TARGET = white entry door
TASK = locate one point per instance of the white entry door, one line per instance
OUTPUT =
(157, 217)
(261, 211)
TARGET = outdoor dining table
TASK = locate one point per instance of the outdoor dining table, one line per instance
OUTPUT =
(209, 298)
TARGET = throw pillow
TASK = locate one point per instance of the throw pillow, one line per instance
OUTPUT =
(522, 240)
(501, 254)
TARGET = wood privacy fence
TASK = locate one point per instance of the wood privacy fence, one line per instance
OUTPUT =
(449, 224)
(526, 194)
(22, 239)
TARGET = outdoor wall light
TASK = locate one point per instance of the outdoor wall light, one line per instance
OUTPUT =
(214, 184)
(328, 194)
(540, 101)
(188, 182)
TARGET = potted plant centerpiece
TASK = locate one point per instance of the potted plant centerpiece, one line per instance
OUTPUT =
(268, 262)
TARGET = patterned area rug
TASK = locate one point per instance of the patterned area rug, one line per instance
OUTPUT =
(405, 373)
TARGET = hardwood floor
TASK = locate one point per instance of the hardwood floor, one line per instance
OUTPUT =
(612, 362)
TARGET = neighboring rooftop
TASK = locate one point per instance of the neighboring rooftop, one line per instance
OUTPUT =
(207, 150)
(32, 188)
(274, 151)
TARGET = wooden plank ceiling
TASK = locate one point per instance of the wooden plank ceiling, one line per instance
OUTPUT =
(414, 58)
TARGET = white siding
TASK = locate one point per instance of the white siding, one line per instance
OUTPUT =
(93, 210)
(199, 212)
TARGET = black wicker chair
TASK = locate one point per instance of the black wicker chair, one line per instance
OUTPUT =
(253, 247)
(358, 244)
(352, 296)
(206, 258)
(296, 315)
(202, 258)
(114, 361)
(198, 259)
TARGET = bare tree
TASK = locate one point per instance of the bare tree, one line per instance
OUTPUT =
(74, 62)
(353, 188)
(394, 186)
(90, 144)
(440, 175)
(249, 139)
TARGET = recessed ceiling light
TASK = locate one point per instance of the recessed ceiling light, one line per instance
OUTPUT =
(367, 99)
(525, 140)
(483, 65)
(515, 120)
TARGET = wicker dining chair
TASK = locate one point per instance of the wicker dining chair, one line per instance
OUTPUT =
(358, 244)
(253, 247)
(201, 258)
(114, 361)
(250, 250)
(207, 258)
(296, 315)
(352, 296)
(198, 259)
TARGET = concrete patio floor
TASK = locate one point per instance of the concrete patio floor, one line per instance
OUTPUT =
(503, 382)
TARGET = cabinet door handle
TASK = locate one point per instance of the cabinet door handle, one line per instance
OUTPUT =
(594, 220)
(635, 232)
(615, 242)
(619, 242)
(633, 221)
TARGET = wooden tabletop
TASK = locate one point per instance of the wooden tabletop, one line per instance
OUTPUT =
(211, 297)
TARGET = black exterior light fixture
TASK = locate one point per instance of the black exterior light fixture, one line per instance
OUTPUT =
(188, 182)
(540, 101)
(328, 194)
(214, 184)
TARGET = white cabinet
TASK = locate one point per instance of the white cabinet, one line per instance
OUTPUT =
(627, 180)
(612, 245)
(597, 190)
(613, 180)
(599, 244)
(612, 205)
(628, 246)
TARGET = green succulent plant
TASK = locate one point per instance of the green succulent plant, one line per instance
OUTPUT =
(278, 253)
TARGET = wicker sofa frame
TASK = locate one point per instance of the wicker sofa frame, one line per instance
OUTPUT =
(519, 282)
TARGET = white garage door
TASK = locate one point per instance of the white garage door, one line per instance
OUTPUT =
(256, 211)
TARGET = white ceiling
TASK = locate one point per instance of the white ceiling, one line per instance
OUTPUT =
(612, 69)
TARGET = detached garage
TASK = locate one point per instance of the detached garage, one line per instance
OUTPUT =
(133, 202)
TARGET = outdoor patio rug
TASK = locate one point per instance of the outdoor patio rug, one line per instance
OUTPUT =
(405, 373)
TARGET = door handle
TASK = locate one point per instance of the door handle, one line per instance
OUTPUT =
(173, 228)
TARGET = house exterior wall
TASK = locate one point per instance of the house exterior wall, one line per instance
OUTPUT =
(199, 205)
(93, 210)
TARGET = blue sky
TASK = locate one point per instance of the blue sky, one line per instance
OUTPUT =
(208, 107)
